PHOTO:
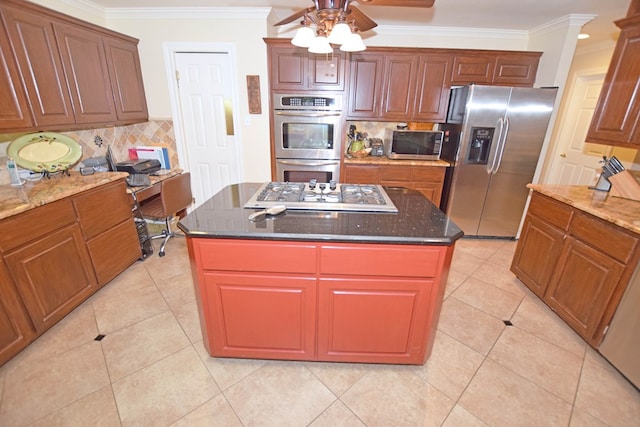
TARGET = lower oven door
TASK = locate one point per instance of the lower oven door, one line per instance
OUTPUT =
(299, 170)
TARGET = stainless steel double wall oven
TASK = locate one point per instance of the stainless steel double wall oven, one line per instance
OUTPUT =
(307, 136)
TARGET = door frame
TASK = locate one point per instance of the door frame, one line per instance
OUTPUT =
(171, 49)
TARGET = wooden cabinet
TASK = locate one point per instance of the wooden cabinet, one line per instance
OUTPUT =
(74, 74)
(617, 114)
(15, 111)
(295, 69)
(495, 68)
(307, 301)
(55, 256)
(429, 180)
(400, 86)
(16, 329)
(578, 264)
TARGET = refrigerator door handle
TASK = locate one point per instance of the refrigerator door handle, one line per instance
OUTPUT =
(491, 168)
(500, 150)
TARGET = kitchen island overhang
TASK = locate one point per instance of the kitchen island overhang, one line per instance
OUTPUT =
(325, 286)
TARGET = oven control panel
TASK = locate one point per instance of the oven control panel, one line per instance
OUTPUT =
(307, 102)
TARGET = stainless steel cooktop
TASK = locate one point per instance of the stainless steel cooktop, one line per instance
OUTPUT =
(330, 196)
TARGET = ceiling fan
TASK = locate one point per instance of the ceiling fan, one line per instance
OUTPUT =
(330, 10)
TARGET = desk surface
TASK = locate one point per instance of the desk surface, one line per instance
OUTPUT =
(144, 193)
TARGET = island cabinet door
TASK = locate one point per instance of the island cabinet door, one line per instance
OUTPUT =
(374, 320)
(260, 315)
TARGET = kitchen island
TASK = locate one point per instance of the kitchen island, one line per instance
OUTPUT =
(320, 285)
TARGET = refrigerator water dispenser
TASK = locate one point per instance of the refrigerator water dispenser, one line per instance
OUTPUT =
(480, 145)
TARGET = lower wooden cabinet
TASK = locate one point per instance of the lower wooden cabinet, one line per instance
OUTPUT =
(576, 263)
(428, 180)
(306, 301)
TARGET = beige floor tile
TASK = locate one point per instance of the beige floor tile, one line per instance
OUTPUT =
(279, 394)
(460, 417)
(500, 277)
(177, 290)
(502, 258)
(174, 263)
(142, 344)
(35, 390)
(500, 397)
(133, 278)
(479, 248)
(164, 392)
(388, 396)
(465, 263)
(592, 356)
(338, 377)
(608, 396)
(450, 366)
(469, 325)
(454, 280)
(127, 308)
(547, 365)
(337, 415)
(97, 409)
(227, 372)
(216, 412)
(536, 318)
(580, 418)
(488, 298)
(187, 316)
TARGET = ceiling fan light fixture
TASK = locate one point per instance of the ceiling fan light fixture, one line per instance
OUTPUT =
(320, 44)
(340, 33)
(353, 44)
(304, 37)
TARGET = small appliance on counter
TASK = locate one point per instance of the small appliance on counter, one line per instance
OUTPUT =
(139, 166)
(413, 144)
(377, 147)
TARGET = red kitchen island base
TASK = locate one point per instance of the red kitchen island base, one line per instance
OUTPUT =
(302, 300)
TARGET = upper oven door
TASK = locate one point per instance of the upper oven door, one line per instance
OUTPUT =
(307, 134)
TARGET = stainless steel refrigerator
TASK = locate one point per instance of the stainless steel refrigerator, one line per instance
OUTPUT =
(493, 137)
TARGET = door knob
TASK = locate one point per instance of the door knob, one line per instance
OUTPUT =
(563, 155)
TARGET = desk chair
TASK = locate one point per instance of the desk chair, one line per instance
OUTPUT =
(175, 196)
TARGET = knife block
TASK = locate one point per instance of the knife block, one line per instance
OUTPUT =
(625, 185)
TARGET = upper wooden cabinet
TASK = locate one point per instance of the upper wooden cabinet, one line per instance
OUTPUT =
(495, 68)
(615, 119)
(74, 74)
(391, 85)
(295, 69)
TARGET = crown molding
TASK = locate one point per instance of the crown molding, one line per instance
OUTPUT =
(148, 13)
(563, 22)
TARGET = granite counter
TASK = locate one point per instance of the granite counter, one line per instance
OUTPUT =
(418, 221)
(622, 212)
(384, 160)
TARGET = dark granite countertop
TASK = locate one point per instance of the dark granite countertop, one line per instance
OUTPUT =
(418, 221)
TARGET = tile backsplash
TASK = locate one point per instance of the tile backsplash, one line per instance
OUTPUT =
(94, 142)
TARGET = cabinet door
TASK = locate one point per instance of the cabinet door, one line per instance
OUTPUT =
(16, 330)
(37, 54)
(126, 79)
(581, 287)
(288, 68)
(615, 119)
(433, 89)
(327, 72)
(365, 85)
(15, 112)
(85, 64)
(374, 320)
(260, 316)
(516, 70)
(398, 87)
(53, 275)
(357, 174)
(114, 250)
(473, 68)
(537, 253)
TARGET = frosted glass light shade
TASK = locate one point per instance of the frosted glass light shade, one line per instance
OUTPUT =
(353, 44)
(320, 45)
(304, 37)
(340, 33)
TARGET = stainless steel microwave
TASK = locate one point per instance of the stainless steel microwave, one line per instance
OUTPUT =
(413, 144)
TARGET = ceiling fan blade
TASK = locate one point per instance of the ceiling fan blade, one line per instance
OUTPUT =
(295, 16)
(362, 21)
(399, 3)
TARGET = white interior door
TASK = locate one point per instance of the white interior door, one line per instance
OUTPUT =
(576, 162)
(205, 97)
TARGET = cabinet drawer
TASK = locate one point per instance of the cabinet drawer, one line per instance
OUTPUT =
(35, 223)
(361, 174)
(608, 238)
(551, 211)
(430, 174)
(382, 260)
(101, 208)
(256, 256)
(395, 173)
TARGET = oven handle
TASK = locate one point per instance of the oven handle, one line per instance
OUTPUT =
(306, 114)
(308, 162)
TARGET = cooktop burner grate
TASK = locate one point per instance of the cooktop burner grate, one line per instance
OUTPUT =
(321, 196)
